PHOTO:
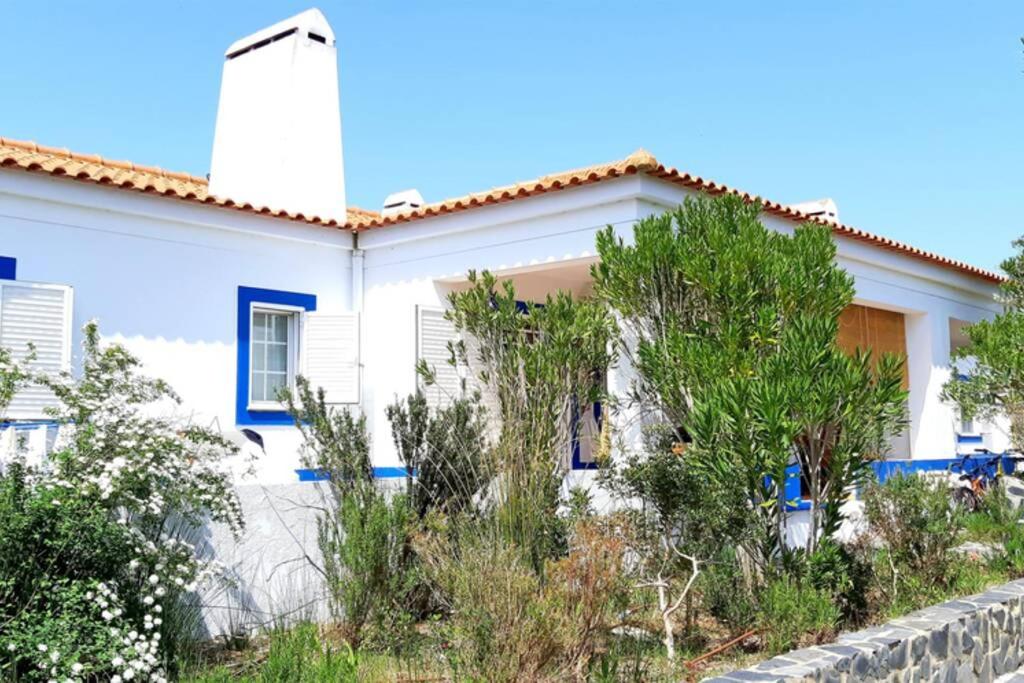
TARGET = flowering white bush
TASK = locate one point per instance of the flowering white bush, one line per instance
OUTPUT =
(94, 544)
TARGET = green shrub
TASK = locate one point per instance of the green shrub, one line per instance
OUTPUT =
(726, 594)
(364, 534)
(367, 564)
(917, 524)
(792, 613)
(96, 559)
(444, 447)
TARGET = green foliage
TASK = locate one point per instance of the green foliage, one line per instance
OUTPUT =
(988, 374)
(14, 374)
(508, 622)
(297, 655)
(51, 558)
(732, 329)
(364, 536)
(444, 448)
(369, 570)
(334, 441)
(793, 612)
(727, 594)
(96, 563)
(542, 368)
(917, 524)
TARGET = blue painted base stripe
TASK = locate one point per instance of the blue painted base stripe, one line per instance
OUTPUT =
(378, 473)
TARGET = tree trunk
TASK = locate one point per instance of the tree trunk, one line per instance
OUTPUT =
(666, 619)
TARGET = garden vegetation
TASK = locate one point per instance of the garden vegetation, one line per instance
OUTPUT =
(484, 564)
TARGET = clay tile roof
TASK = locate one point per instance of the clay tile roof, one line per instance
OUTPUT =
(642, 161)
(93, 168)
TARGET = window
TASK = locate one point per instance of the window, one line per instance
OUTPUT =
(269, 327)
(280, 336)
(40, 315)
(273, 355)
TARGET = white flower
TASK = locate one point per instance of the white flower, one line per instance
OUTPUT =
(11, 647)
(116, 679)
(160, 591)
(77, 667)
(42, 647)
(117, 661)
(154, 579)
(54, 656)
(148, 600)
(107, 616)
(129, 674)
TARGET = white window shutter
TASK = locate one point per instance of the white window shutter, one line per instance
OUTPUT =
(40, 315)
(433, 332)
(330, 352)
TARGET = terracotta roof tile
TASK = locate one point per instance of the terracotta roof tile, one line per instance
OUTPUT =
(93, 168)
(642, 161)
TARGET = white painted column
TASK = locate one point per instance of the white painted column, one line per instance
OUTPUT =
(931, 420)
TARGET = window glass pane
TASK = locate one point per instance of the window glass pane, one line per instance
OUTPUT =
(280, 328)
(277, 357)
(259, 360)
(274, 384)
(259, 326)
(257, 387)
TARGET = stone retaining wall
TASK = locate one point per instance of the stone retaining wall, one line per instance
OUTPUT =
(975, 638)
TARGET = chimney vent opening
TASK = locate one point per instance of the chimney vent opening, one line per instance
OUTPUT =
(263, 43)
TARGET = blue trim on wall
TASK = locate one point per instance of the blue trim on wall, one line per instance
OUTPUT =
(8, 268)
(378, 473)
(246, 297)
(884, 469)
(970, 438)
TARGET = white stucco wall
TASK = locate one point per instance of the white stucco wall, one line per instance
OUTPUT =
(532, 239)
(162, 276)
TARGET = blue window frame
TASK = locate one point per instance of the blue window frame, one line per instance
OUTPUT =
(8, 268)
(577, 461)
(247, 296)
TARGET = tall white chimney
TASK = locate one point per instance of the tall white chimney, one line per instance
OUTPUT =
(278, 136)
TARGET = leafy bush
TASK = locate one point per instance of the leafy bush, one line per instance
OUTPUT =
(793, 612)
(444, 448)
(915, 520)
(726, 593)
(364, 535)
(94, 544)
(542, 368)
(506, 622)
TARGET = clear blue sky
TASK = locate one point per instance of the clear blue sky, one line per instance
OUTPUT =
(908, 114)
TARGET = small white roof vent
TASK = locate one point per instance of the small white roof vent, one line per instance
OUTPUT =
(819, 208)
(402, 202)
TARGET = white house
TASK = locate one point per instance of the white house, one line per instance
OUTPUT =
(229, 288)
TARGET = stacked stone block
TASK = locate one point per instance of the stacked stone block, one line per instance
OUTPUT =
(977, 638)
